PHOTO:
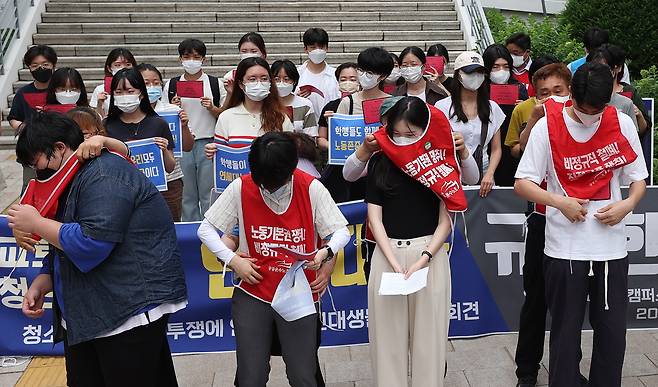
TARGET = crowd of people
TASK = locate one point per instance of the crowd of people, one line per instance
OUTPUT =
(567, 142)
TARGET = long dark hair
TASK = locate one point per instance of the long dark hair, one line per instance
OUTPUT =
(484, 108)
(273, 113)
(492, 54)
(59, 78)
(412, 110)
(134, 77)
(256, 39)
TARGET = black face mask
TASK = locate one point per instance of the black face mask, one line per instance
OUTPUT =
(42, 75)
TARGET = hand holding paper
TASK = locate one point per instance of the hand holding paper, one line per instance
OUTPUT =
(394, 284)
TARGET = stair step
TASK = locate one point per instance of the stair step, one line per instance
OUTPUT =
(233, 37)
(195, 17)
(241, 26)
(205, 9)
(292, 48)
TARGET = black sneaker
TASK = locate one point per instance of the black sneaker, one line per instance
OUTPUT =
(527, 381)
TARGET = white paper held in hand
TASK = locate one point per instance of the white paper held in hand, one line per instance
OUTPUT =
(394, 284)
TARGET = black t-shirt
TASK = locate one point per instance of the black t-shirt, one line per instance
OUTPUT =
(409, 209)
(151, 126)
(332, 107)
(20, 110)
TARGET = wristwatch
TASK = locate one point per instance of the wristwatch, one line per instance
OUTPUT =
(429, 255)
(330, 254)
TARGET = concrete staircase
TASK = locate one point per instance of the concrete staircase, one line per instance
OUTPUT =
(83, 32)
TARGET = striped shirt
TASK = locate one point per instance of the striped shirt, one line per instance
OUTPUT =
(237, 127)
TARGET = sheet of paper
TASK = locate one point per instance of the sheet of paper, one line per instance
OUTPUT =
(504, 94)
(371, 110)
(311, 89)
(35, 99)
(189, 89)
(394, 284)
(292, 254)
(59, 108)
(107, 84)
(435, 62)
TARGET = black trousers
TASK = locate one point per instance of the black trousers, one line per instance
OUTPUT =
(532, 323)
(568, 285)
(255, 323)
(138, 357)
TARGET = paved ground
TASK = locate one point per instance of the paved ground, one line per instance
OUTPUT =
(483, 362)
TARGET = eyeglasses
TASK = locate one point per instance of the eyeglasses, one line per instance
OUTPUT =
(46, 66)
(362, 72)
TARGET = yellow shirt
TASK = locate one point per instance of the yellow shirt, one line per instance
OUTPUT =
(519, 120)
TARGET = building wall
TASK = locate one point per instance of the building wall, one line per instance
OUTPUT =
(525, 6)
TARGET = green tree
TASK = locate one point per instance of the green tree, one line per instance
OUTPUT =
(632, 24)
(548, 35)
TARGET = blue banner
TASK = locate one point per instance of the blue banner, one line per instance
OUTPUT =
(346, 133)
(173, 120)
(148, 157)
(229, 164)
(486, 282)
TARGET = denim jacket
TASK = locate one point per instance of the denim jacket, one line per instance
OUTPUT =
(113, 201)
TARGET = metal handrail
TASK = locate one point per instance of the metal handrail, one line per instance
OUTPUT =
(11, 14)
(477, 25)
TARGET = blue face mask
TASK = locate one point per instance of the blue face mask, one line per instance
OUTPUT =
(154, 92)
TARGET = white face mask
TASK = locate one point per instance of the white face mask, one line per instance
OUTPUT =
(67, 97)
(245, 55)
(192, 66)
(284, 88)
(368, 81)
(395, 75)
(412, 74)
(115, 70)
(471, 81)
(317, 56)
(587, 119)
(560, 98)
(499, 77)
(348, 86)
(257, 91)
(518, 60)
(127, 103)
(403, 140)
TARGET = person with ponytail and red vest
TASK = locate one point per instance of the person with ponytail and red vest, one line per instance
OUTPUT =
(276, 205)
(586, 151)
(412, 184)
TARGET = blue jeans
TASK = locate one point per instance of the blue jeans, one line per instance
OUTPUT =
(197, 181)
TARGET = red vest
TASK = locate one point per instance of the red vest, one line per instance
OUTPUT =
(524, 78)
(44, 194)
(584, 170)
(430, 160)
(264, 228)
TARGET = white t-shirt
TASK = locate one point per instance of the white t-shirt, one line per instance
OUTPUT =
(471, 129)
(422, 95)
(590, 240)
(161, 107)
(93, 103)
(202, 122)
(325, 82)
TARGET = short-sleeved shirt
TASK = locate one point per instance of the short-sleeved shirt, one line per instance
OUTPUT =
(520, 116)
(151, 126)
(590, 240)
(304, 119)
(471, 129)
(409, 209)
(325, 82)
(226, 212)
(237, 127)
(202, 122)
(20, 110)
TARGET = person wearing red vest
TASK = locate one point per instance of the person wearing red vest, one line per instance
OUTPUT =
(519, 45)
(276, 205)
(586, 151)
(412, 183)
